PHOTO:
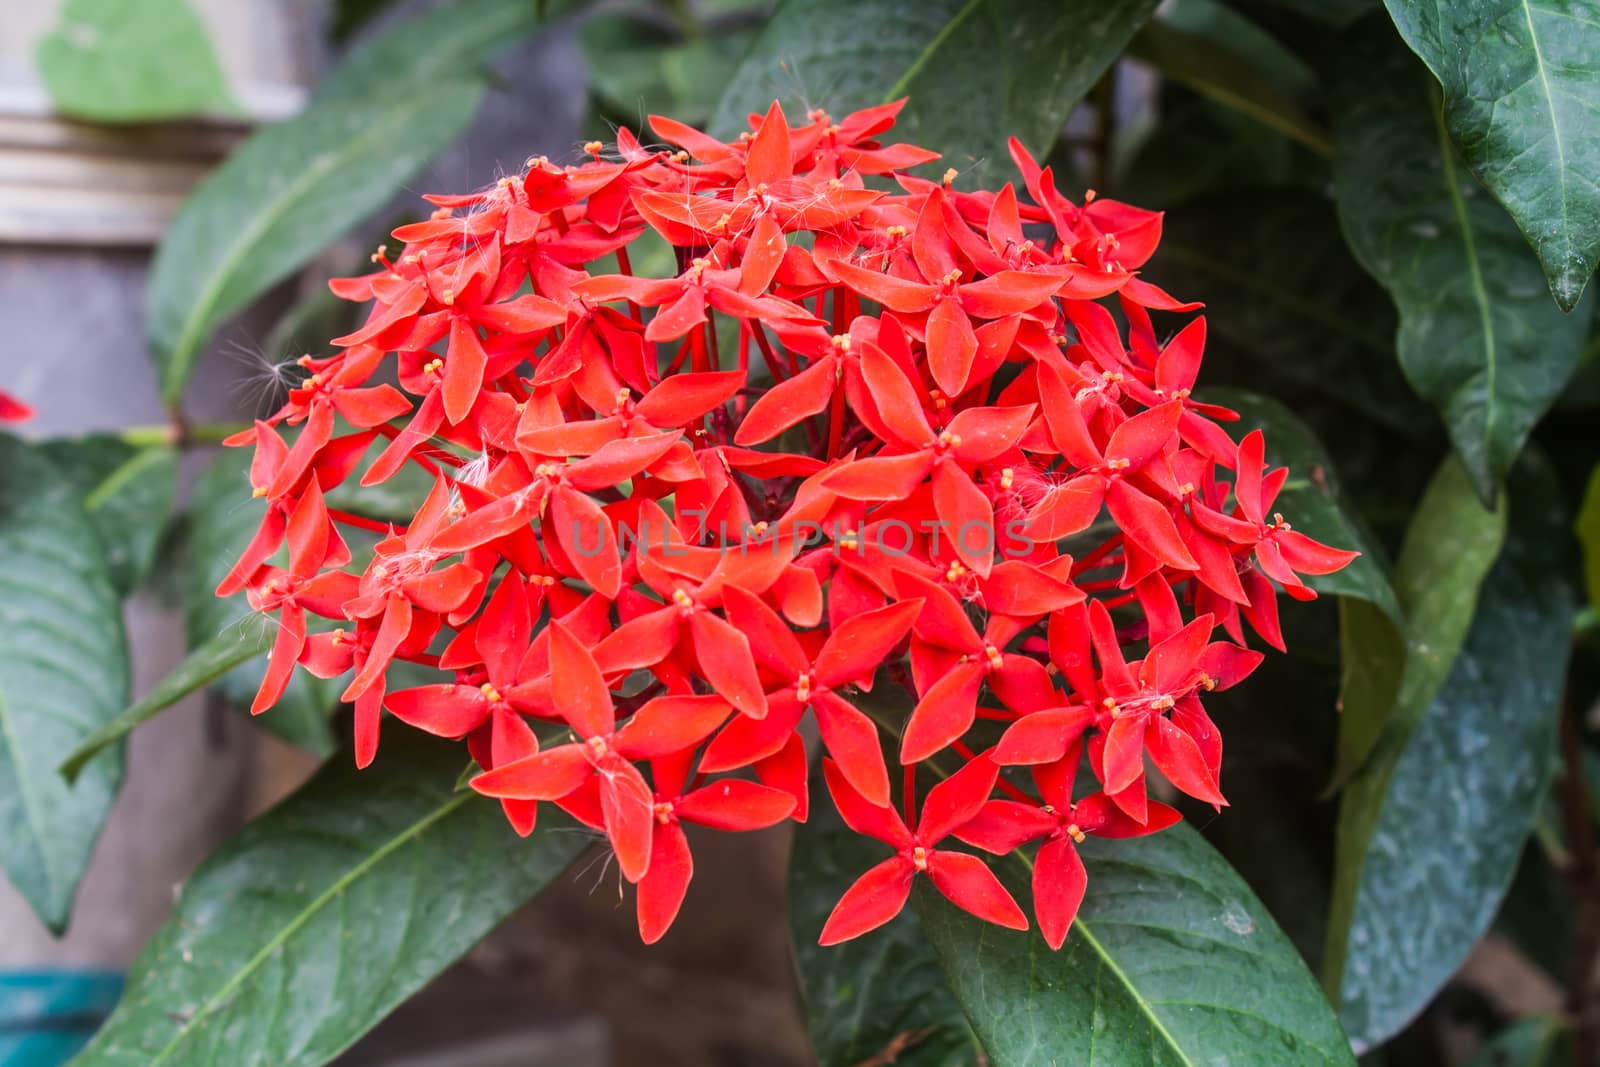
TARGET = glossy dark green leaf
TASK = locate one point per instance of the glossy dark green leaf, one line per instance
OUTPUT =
(877, 993)
(1522, 87)
(1395, 664)
(1172, 961)
(1431, 828)
(1479, 337)
(63, 672)
(1537, 1042)
(1300, 315)
(222, 517)
(1216, 69)
(200, 668)
(309, 926)
(127, 491)
(977, 71)
(131, 61)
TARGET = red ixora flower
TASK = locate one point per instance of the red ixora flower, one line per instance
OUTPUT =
(874, 452)
(12, 409)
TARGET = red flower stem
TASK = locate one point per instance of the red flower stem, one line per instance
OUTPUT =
(361, 522)
(908, 799)
(996, 714)
(1103, 586)
(421, 659)
(715, 344)
(759, 332)
(835, 423)
(392, 432)
(697, 343)
(1119, 601)
(1089, 562)
(1005, 787)
(626, 267)
(449, 459)
(511, 382)
(677, 360)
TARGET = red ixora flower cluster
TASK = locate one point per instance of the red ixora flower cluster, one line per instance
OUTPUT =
(844, 446)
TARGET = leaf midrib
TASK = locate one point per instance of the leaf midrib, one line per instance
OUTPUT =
(203, 309)
(29, 801)
(305, 915)
(1083, 927)
(898, 89)
(1555, 121)
(1480, 294)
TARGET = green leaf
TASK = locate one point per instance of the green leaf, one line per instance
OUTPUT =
(1431, 829)
(1215, 69)
(127, 492)
(1394, 664)
(1588, 530)
(314, 922)
(294, 187)
(1300, 315)
(131, 61)
(636, 66)
(223, 517)
(1220, 23)
(63, 672)
(1537, 1042)
(1172, 961)
(1478, 338)
(279, 199)
(877, 993)
(977, 71)
(448, 44)
(200, 668)
(1521, 87)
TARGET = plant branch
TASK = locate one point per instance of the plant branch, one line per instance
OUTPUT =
(180, 434)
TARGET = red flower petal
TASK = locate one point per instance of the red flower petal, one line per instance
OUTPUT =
(943, 714)
(1059, 882)
(970, 885)
(874, 899)
(665, 883)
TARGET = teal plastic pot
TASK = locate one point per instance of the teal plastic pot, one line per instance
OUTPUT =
(47, 1016)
